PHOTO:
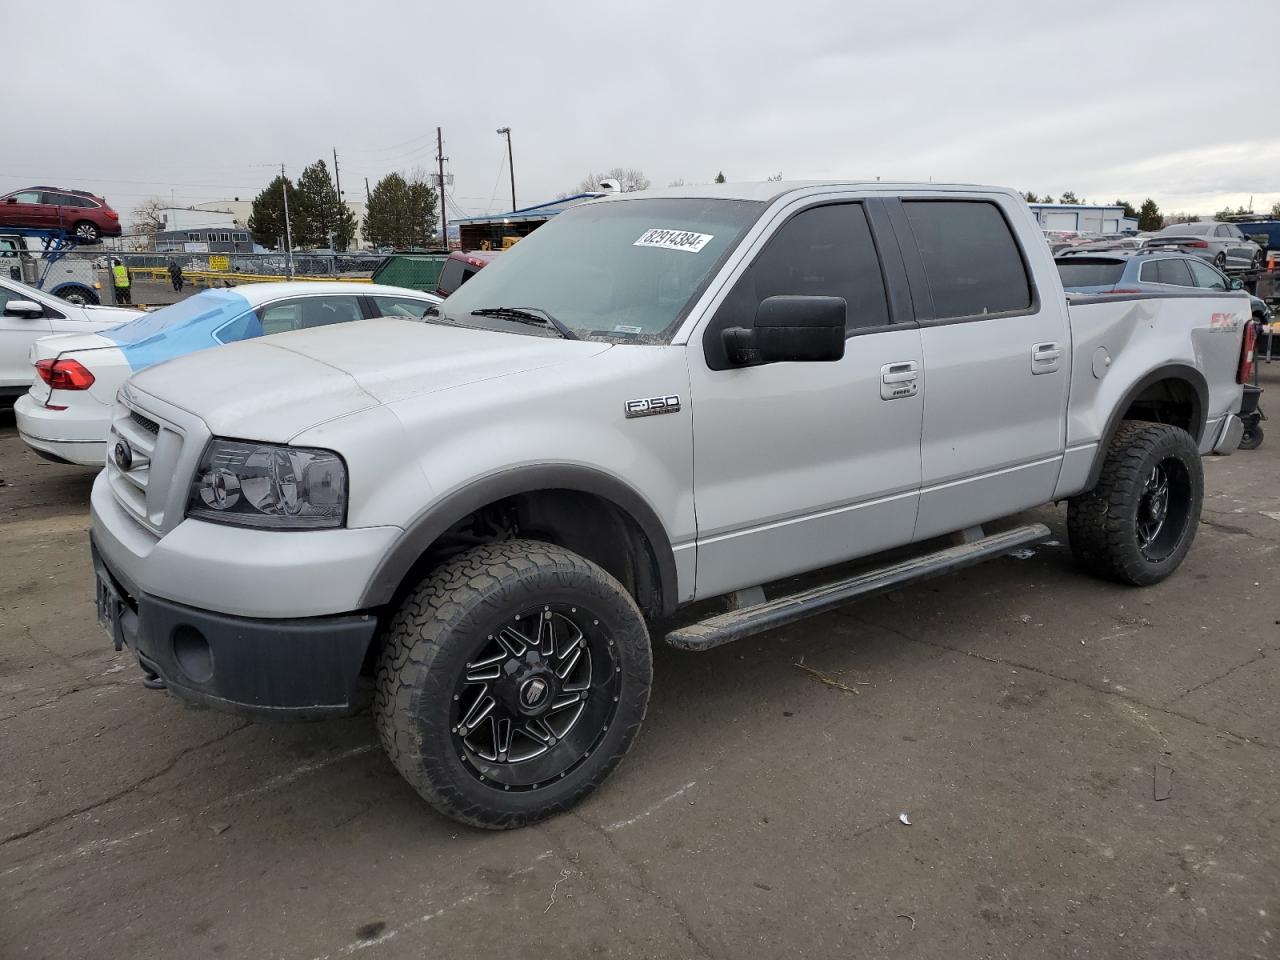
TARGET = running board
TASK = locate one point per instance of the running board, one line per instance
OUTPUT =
(736, 624)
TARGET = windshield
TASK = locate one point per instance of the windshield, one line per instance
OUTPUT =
(624, 270)
(1185, 230)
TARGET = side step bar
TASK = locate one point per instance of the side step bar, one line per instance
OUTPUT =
(736, 624)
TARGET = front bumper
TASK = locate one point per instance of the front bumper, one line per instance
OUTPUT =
(61, 434)
(296, 668)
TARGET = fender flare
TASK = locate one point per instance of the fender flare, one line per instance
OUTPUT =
(1170, 371)
(428, 525)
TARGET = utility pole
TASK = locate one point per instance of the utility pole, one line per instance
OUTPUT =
(511, 164)
(337, 183)
(444, 217)
(288, 230)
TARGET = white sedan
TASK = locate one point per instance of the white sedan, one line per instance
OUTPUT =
(67, 413)
(26, 314)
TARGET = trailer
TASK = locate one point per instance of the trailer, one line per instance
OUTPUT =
(39, 259)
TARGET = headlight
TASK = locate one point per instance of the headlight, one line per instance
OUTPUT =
(262, 485)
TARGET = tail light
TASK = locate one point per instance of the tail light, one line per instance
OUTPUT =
(64, 374)
(1198, 244)
(1245, 373)
(112, 214)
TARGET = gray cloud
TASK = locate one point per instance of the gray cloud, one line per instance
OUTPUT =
(200, 101)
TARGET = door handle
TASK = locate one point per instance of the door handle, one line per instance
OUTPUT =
(1045, 357)
(898, 380)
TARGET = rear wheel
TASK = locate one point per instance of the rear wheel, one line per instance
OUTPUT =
(1220, 261)
(87, 232)
(1251, 439)
(80, 296)
(512, 681)
(1137, 523)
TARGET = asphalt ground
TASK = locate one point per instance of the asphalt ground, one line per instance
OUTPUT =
(1022, 716)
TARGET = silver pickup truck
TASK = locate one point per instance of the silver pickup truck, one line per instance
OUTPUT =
(656, 399)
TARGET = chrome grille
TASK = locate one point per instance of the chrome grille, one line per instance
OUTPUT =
(143, 478)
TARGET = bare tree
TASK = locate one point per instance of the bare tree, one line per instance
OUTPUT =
(147, 216)
(630, 178)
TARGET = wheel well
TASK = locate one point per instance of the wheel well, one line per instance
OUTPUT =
(590, 525)
(1171, 400)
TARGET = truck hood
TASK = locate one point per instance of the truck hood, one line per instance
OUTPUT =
(273, 388)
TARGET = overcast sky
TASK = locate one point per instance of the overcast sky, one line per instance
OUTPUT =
(198, 101)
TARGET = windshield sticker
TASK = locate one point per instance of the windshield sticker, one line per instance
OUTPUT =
(674, 239)
(624, 328)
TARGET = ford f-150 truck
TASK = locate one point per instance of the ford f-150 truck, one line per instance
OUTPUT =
(656, 399)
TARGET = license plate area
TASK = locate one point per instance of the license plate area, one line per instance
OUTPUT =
(109, 604)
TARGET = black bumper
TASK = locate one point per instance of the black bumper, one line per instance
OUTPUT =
(298, 669)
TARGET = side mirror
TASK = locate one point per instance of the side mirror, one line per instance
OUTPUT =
(10, 199)
(789, 328)
(23, 308)
(1237, 283)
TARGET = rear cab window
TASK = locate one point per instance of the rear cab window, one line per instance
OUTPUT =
(1085, 272)
(972, 262)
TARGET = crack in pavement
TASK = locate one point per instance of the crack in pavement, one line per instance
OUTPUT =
(1261, 655)
(645, 885)
(1190, 718)
(124, 791)
(79, 688)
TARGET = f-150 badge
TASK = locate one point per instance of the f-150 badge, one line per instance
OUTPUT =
(652, 407)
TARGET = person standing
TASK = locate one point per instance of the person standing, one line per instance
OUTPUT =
(120, 280)
(175, 275)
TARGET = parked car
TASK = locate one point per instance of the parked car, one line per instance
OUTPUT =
(1269, 227)
(492, 508)
(1222, 244)
(66, 415)
(83, 215)
(461, 267)
(27, 314)
(1147, 271)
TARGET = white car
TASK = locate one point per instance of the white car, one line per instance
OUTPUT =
(67, 413)
(26, 314)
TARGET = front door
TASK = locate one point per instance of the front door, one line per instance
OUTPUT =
(997, 361)
(801, 465)
(17, 334)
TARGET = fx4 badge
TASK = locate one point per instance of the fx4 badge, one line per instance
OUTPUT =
(652, 407)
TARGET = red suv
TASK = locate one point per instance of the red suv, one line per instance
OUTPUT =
(86, 217)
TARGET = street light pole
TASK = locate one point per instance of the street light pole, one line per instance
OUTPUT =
(511, 163)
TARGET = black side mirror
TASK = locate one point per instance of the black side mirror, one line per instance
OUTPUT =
(789, 328)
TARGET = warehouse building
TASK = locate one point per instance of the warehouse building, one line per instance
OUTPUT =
(1083, 218)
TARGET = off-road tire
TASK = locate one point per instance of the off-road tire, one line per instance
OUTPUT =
(87, 232)
(444, 620)
(1103, 523)
(1251, 439)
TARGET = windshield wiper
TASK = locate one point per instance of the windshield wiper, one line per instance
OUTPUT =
(531, 315)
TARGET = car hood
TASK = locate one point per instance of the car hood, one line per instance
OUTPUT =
(273, 388)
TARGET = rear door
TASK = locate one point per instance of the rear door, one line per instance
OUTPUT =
(801, 465)
(996, 360)
(17, 334)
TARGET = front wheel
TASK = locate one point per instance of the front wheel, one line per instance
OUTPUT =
(512, 681)
(1137, 523)
(87, 232)
(80, 296)
(1220, 261)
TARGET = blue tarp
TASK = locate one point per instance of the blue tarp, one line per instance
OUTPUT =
(185, 327)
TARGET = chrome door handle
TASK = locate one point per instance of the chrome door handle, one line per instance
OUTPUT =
(898, 380)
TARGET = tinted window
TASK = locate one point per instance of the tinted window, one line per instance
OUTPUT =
(401, 307)
(1185, 230)
(307, 312)
(970, 258)
(820, 252)
(1206, 277)
(1090, 273)
(1174, 272)
(450, 277)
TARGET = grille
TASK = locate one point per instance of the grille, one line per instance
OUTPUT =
(143, 489)
(146, 423)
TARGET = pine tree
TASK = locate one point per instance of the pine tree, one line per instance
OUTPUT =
(400, 213)
(321, 217)
(266, 221)
(720, 177)
(1149, 216)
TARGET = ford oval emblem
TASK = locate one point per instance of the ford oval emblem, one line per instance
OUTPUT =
(123, 455)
